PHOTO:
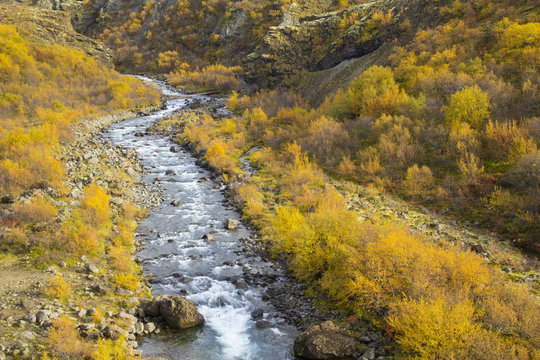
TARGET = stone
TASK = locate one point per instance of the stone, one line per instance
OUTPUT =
(231, 224)
(175, 149)
(170, 172)
(209, 237)
(262, 324)
(126, 318)
(369, 353)
(139, 328)
(113, 332)
(31, 318)
(176, 202)
(178, 312)
(257, 313)
(82, 313)
(150, 327)
(325, 342)
(92, 268)
(152, 308)
(27, 335)
(124, 292)
(41, 317)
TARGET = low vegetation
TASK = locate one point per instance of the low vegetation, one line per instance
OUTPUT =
(46, 90)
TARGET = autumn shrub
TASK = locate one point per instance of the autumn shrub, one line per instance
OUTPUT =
(94, 207)
(65, 342)
(57, 288)
(78, 237)
(470, 105)
(37, 209)
(107, 349)
(212, 77)
(434, 328)
(326, 140)
(418, 181)
(129, 281)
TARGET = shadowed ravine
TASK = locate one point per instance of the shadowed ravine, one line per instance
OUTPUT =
(211, 274)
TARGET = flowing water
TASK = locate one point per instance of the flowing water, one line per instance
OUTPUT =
(209, 273)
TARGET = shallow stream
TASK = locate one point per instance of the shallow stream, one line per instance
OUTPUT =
(210, 273)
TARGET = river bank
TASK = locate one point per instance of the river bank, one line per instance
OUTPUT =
(27, 314)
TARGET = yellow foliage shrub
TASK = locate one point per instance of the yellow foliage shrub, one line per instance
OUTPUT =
(57, 288)
(418, 181)
(64, 340)
(94, 206)
(434, 329)
(39, 208)
(107, 349)
(127, 281)
(470, 105)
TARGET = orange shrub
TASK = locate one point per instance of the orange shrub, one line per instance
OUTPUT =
(39, 208)
(65, 342)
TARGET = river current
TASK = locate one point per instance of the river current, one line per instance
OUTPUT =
(209, 273)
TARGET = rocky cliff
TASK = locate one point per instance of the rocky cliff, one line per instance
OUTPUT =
(51, 21)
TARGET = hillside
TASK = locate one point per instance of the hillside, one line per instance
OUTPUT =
(386, 151)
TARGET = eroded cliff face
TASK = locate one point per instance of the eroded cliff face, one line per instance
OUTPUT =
(52, 21)
(321, 53)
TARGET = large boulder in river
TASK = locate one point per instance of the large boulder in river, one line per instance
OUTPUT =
(178, 312)
(231, 224)
(325, 341)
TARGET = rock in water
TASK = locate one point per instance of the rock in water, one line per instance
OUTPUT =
(178, 312)
(176, 202)
(325, 342)
(231, 224)
(175, 148)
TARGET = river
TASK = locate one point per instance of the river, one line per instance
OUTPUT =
(209, 273)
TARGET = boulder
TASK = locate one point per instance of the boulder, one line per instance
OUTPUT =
(175, 149)
(325, 342)
(113, 332)
(231, 224)
(176, 202)
(178, 312)
(209, 237)
(92, 268)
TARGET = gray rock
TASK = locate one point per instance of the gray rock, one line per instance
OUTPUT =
(27, 335)
(124, 292)
(31, 318)
(41, 317)
(325, 342)
(92, 268)
(139, 328)
(175, 149)
(262, 324)
(257, 313)
(369, 353)
(113, 332)
(126, 318)
(178, 312)
(176, 202)
(209, 237)
(82, 313)
(150, 327)
(231, 224)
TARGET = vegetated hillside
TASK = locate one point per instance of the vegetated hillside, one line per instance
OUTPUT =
(50, 214)
(159, 36)
(451, 120)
